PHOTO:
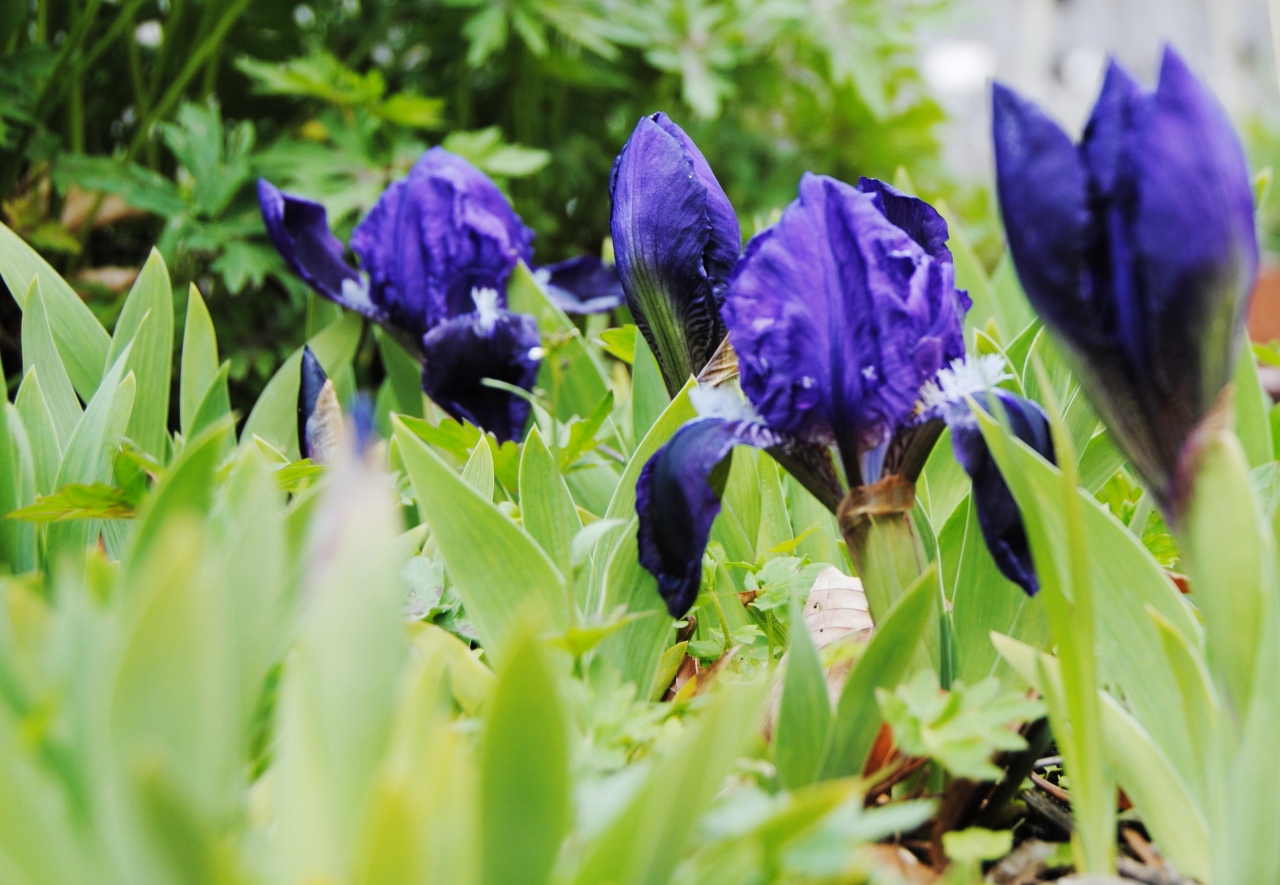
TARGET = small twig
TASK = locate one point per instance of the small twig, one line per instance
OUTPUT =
(904, 769)
(1131, 869)
(1140, 846)
(1047, 762)
(1051, 788)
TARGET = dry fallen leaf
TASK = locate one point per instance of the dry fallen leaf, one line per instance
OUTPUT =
(837, 608)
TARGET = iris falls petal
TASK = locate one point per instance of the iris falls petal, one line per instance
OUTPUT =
(678, 496)
(489, 343)
(997, 511)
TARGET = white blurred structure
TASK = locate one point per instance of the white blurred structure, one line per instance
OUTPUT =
(1054, 51)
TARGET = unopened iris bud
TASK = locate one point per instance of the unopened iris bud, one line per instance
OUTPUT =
(1137, 247)
(676, 239)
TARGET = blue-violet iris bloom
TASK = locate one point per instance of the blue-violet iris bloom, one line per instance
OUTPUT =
(840, 314)
(583, 285)
(998, 516)
(676, 240)
(434, 247)
(1137, 247)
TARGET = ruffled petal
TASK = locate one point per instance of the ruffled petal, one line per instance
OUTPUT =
(838, 318)
(675, 238)
(436, 235)
(299, 229)
(914, 216)
(583, 285)
(677, 499)
(489, 343)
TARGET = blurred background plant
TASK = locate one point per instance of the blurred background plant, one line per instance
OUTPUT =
(131, 122)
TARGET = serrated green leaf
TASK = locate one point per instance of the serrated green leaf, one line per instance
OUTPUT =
(645, 840)
(79, 501)
(582, 433)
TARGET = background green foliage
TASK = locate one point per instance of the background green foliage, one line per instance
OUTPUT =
(172, 108)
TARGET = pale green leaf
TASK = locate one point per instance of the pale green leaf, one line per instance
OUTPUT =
(145, 327)
(199, 360)
(81, 340)
(499, 571)
(882, 665)
(804, 711)
(546, 507)
(572, 374)
(478, 471)
(524, 771)
(645, 840)
(40, 353)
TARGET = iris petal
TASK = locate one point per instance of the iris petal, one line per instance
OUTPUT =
(1139, 251)
(433, 237)
(299, 229)
(310, 384)
(1042, 194)
(491, 343)
(677, 499)
(838, 318)
(1194, 245)
(676, 238)
(998, 515)
(918, 219)
(583, 285)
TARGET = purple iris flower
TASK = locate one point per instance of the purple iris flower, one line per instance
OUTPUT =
(676, 239)
(1137, 247)
(840, 314)
(438, 248)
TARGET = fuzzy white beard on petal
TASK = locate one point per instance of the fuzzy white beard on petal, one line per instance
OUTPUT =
(966, 376)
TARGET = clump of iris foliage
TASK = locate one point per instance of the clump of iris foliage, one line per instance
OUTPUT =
(538, 611)
(129, 124)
